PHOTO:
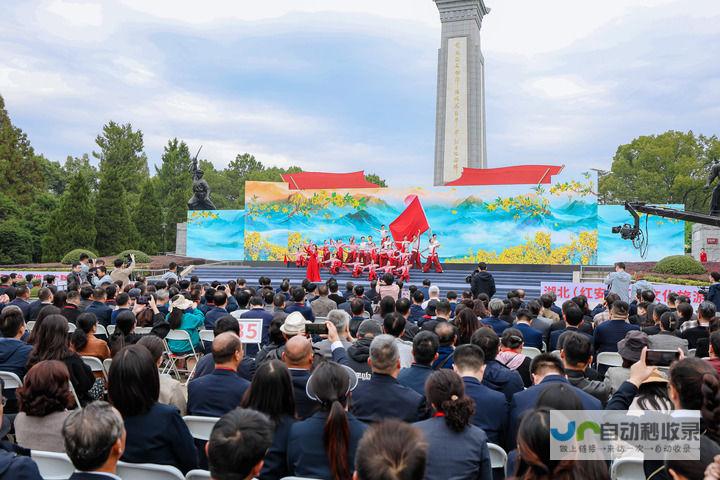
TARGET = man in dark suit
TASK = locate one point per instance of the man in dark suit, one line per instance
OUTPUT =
(98, 307)
(491, 407)
(94, 441)
(220, 299)
(298, 305)
(425, 352)
(216, 394)
(493, 321)
(573, 319)
(383, 396)
(531, 336)
(298, 357)
(359, 293)
(22, 301)
(548, 372)
(45, 298)
(417, 312)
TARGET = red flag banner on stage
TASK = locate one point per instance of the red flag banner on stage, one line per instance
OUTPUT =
(318, 180)
(515, 175)
(410, 221)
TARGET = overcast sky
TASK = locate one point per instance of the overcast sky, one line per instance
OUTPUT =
(339, 85)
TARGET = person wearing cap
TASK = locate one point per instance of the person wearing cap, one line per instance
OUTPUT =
(610, 332)
(184, 315)
(383, 396)
(629, 349)
(216, 394)
(324, 445)
(359, 352)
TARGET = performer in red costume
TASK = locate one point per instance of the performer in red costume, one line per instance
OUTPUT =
(334, 265)
(300, 258)
(415, 260)
(340, 250)
(404, 271)
(433, 259)
(352, 251)
(372, 274)
(313, 267)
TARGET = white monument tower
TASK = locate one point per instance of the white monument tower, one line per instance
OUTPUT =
(460, 119)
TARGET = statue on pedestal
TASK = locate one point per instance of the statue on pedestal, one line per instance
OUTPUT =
(715, 202)
(201, 190)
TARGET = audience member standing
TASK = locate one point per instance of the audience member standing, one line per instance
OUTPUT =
(618, 282)
(459, 448)
(482, 281)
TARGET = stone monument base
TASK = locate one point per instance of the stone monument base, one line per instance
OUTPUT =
(707, 237)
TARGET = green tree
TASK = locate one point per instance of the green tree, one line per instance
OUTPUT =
(112, 218)
(72, 223)
(17, 243)
(668, 168)
(175, 187)
(121, 150)
(373, 178)
(148, 218)
(36, 218)
(21, 171)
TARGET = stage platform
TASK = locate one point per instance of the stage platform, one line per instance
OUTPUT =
(527, 277)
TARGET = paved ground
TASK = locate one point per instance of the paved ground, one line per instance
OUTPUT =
(450, 280)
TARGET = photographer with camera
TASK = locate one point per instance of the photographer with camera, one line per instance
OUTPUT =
(481, 281)
(712, 293)
(123, 269)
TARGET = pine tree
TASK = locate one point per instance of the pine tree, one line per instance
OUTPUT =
(121, 150)
(72, 222)
(116, 231)
(148, 219)
(175, 186)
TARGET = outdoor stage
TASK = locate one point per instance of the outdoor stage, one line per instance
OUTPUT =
(527, 277)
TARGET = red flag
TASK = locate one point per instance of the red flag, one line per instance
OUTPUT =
(410, 221)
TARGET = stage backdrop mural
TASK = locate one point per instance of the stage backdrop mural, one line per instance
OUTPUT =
(559, 223)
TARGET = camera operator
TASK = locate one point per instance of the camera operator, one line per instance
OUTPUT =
(123, 269)
(712, 293)
(481, 281)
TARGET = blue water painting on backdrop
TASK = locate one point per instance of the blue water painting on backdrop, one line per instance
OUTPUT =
(216, 234)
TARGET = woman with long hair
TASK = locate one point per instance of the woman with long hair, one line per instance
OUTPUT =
(51, 343)
(323, 445)
(271, 392)
(459, 448)
(44, 400)
(156, 433)
(84, 341)
(44, 313)
(511, 345)
(533, 446)
(312, 272)
(124, 335)
(466, 322)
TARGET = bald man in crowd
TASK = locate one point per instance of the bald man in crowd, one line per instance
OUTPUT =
(216, 394)
(298, 357)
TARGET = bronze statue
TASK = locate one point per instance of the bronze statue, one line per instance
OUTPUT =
(715, 202)
(201, 190)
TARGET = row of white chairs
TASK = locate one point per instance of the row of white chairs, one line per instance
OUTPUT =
(611, 359)
(57, 466)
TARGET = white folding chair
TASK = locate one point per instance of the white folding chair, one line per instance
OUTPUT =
(100, 330)
(53, 465)
(531, 352)
(11, 380)
(544, 347)
(611, 359)
(143, 330)
(30, 325)
(207, 335)
(71, 327)
(498, 457)
(106, 364)
(198, 475)
(148, 471)
(95, 365)
(691, 352)
(200, 427)
(628, 468)
(75, 396)
(184, 336)
(556, 353)
(110, 329)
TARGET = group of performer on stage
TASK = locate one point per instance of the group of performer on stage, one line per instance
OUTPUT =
(368, 257)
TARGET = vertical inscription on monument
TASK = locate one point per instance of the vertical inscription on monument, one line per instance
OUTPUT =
(456, 121)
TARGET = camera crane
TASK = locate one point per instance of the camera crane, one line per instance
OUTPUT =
(638, 235)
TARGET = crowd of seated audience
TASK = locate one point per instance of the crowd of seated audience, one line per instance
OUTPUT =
(406, 384)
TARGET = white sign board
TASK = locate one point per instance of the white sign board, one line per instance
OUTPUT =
(60, 277)
(456, 109)
(251, 330)
(595, 292)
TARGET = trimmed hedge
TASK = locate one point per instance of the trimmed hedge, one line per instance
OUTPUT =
(677, 281)
(74, 255)
(140, 257)
(679, 265)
